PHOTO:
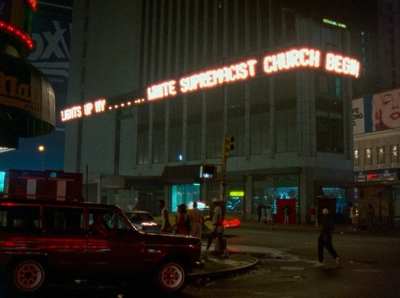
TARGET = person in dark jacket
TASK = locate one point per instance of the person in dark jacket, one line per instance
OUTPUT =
(325, 239)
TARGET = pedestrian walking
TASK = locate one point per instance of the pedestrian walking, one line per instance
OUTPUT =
(286, 211)
(263, 215)
(137, 206)
(130, 206)
(325, 239)
(259, 209)
(217, 229)
(164, 216)
(268, 212)
(197, 221)
(353, 217)
(182, 221)
(313, 214)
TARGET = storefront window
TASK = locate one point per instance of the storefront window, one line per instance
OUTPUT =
(275, 188)
(394, 155)
(356, 158)
(184, 194)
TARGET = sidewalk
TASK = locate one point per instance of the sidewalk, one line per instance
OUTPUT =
(217, 266)
(241, 257)
(339, 228)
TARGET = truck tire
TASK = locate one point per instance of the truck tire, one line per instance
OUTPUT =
(170, 276)
(28, 276)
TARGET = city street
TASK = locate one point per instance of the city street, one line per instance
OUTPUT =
(370, 265)
(370, 268)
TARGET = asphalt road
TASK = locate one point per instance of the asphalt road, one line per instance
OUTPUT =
(370, 268)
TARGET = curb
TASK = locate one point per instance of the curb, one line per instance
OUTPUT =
(249, 263)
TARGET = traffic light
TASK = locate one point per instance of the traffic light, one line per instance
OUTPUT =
(228, 146)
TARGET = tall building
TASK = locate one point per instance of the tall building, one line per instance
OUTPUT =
(389, 44)
(155, 86)
(50, 34)
(376, 124)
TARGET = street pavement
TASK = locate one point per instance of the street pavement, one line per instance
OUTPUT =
(245, 257)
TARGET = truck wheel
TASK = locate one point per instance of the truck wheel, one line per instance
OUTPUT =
(28, 276)
(170, 276)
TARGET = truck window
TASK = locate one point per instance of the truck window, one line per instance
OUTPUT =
(63, 218)
(19, 217)
(110, 217)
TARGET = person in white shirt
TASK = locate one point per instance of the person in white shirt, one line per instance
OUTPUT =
(197, 221)
(217, 229)
(166, 225)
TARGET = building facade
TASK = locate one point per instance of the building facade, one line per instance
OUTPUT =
(156, 85)
(376, 127)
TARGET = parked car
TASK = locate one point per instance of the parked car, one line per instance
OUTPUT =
(44, 239)
(143, 220)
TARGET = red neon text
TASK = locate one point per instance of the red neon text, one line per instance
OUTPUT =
(87, 109)
(214, 77)
(292, 59)
(340, 64)
(161, 90)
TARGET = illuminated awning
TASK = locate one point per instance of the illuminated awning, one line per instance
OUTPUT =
(187, 174)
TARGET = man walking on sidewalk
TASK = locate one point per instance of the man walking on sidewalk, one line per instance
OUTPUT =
(217, 229)
(325, 239)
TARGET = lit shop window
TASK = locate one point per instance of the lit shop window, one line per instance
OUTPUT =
(368, 156)
(380, 155)
(394, 153)
(356, 157)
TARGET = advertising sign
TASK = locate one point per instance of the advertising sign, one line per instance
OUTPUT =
(377, 112)
(51, 53)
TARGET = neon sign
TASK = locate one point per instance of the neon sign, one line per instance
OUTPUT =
(295, 58)
(18, 33)
(292, 59)
(161, 90)
(282, 61)
(86, 109)
(32, 3)
(334, 23)
(340, 64)
(214, 77)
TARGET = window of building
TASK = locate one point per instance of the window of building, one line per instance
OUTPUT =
(215, 123)
(380, 152)
(259, 116)
(285, 112)
(158, 143)
(329, 132)
(329, 107)
(394, 153)
(143, 135)
(356, 158)
(289, 26)
(184, 194)
(194, 128)
(175, 130)
(368, 156)
(236, 116)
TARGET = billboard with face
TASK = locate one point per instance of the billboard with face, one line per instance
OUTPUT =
(377, 112)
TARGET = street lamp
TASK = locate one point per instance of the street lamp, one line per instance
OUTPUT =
(41, 149)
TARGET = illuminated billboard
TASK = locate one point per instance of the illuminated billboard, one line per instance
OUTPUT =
(291, 59)
(377, 112)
